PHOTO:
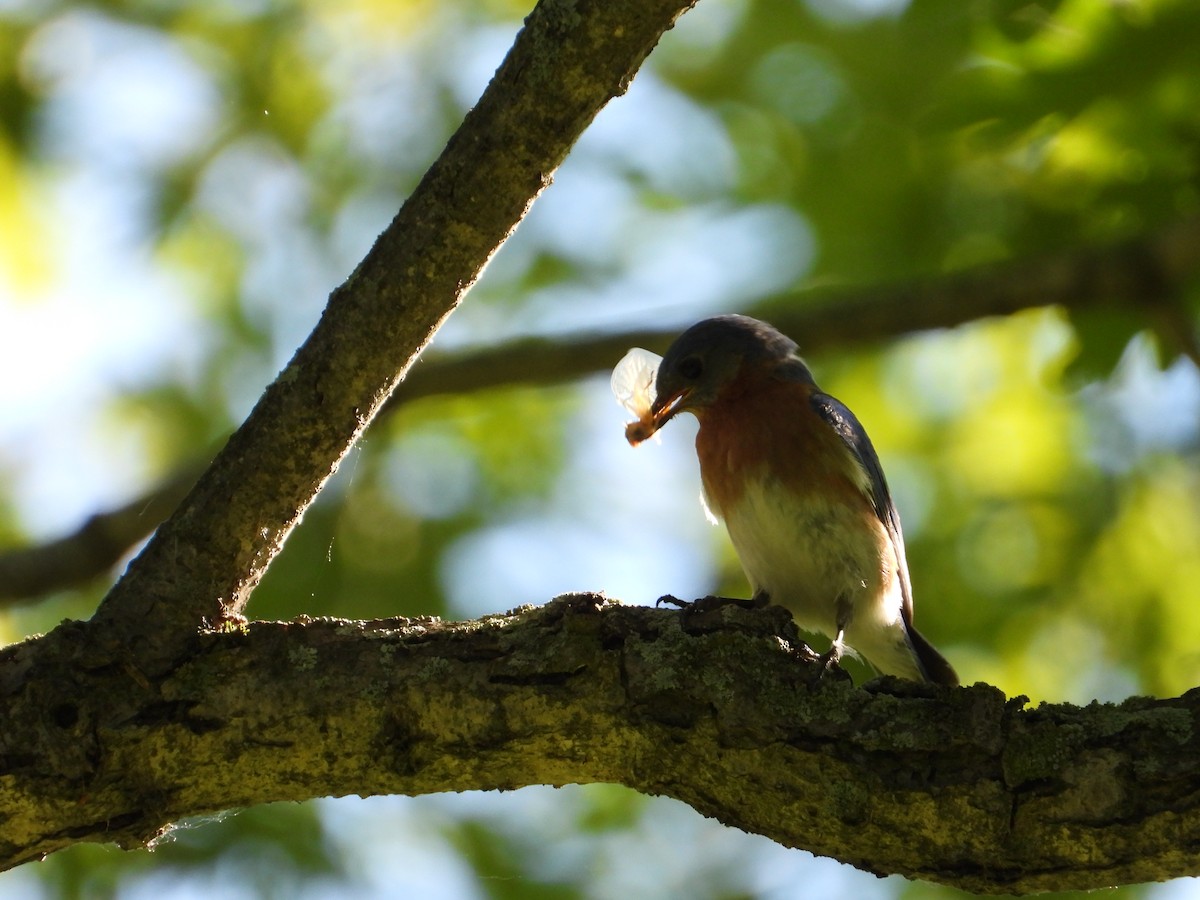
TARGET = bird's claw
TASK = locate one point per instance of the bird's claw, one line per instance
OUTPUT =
(710, 602)
(829, 662)
(672, 600)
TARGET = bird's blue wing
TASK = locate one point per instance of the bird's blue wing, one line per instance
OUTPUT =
(854, 436)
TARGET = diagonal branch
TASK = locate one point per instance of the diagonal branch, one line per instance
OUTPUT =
(956, 786)
(1148, 275)
(571, 57)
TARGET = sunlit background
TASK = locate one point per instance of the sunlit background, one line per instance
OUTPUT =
(182, 182)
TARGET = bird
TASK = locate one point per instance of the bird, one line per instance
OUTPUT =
(791, 472)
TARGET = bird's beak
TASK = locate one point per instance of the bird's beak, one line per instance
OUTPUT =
(663, 409)
(659, 414)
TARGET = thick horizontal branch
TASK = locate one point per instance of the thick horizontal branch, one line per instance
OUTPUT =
(1146, 275)
(715, 708)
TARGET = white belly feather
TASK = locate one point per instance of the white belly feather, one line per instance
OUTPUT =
(817, 559)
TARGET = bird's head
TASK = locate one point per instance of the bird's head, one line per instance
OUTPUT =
(712, 355)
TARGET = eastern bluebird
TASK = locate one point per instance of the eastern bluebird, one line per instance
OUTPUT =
(794, 477)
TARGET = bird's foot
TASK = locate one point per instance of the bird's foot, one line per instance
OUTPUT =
(829, 663)
(711, 602)
(672, 600)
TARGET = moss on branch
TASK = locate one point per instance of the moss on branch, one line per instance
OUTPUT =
(962, 787)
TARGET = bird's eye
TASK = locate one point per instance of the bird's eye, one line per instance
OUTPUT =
(691, 367)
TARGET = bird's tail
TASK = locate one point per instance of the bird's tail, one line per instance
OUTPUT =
(933, 665)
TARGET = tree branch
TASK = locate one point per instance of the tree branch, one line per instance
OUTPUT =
(93, 548)
(1149, 275)
(1140, 275)
(571, 57)
(956, 786)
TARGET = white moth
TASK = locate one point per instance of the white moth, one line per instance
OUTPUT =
(633, 386)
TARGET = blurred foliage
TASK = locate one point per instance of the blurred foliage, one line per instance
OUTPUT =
(182, 183)
(271, 849)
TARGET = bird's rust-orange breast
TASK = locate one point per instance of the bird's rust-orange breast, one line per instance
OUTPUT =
(761, 427)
